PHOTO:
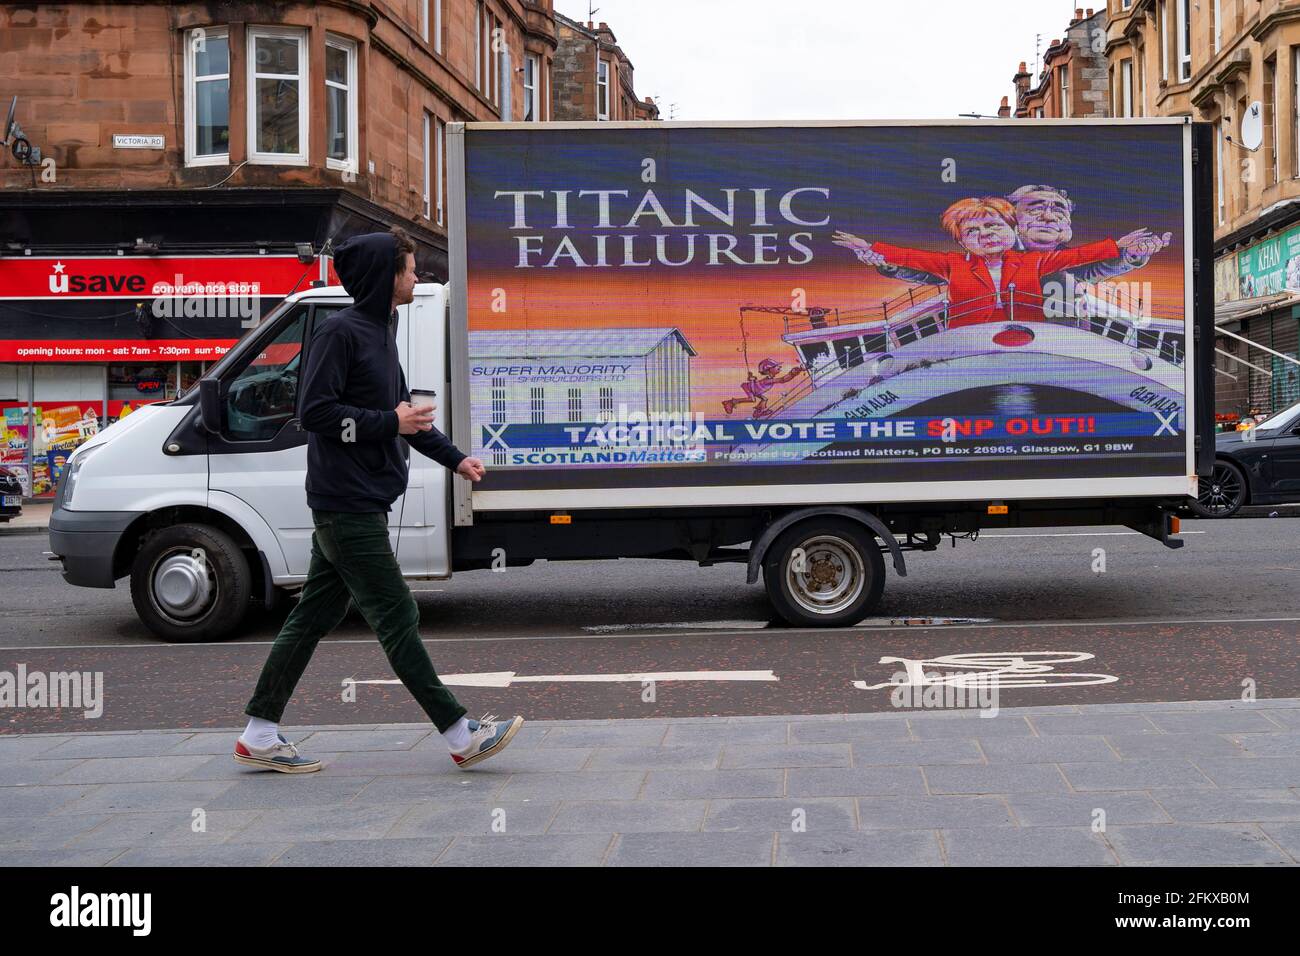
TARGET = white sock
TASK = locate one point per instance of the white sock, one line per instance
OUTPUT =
(261, 733)
(457, 735)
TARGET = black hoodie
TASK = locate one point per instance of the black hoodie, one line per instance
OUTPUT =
(350, 387)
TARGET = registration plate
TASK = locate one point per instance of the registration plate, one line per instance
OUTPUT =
(11, 501)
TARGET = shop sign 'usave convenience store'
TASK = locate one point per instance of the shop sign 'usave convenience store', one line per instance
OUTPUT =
(85, 340)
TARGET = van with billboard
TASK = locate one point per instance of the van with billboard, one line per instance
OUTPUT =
(807, 348)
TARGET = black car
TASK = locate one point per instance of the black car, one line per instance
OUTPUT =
(1256, 467)
(11, 495)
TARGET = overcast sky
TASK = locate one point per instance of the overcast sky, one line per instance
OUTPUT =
(827, 59)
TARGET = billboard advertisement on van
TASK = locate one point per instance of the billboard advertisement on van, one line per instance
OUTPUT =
(690, 306)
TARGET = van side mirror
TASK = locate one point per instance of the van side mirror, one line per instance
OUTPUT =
(210, 405)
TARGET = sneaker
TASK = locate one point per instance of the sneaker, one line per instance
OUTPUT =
(283, 757)
(487, 736)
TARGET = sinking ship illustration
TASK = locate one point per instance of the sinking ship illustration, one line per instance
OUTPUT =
(911, 352)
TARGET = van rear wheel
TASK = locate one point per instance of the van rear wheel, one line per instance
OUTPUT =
(824, 572)
(191, 583)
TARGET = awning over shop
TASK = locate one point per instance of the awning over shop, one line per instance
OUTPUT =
(1225, 312)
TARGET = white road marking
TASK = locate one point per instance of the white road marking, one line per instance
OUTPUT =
(506, 678)
(603, 637)
(913, 621)
(709, 625)
(991, 669)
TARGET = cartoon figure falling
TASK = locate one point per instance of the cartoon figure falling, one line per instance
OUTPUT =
(757, 387)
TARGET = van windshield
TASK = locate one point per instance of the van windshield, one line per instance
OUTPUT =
(221, 364)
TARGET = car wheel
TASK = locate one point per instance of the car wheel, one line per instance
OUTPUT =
(824, 572)
(191, 583)
(1223, 493)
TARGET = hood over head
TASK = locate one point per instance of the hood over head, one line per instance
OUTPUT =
(367, 268)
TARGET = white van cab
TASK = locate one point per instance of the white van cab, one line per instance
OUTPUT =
(200, 501)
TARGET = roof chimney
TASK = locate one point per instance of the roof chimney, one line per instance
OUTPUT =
(1021, 83)
(1004, 110)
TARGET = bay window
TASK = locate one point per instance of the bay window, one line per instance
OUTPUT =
(277, 96)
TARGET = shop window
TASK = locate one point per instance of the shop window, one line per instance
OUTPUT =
(38, 446)
(138, 385)
(190, 373)
(66, 409)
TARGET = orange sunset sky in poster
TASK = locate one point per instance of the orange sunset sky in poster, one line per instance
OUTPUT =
(705, 306)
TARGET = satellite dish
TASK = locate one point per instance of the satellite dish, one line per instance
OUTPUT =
(9, 123)
(1252, 126)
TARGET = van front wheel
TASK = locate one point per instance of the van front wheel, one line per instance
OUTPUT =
(191, 583)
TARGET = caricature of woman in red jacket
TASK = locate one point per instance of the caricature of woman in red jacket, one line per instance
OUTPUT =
(980, 279)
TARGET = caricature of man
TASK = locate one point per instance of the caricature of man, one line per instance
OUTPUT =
(756, 387)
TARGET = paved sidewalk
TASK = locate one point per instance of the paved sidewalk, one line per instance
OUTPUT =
(1201, 783)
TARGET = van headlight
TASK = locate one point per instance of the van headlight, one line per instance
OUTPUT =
(74, 470)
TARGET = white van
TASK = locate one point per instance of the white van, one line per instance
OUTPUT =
(207, 521)
(201, 501)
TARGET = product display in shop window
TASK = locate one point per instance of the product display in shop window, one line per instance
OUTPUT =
(60, 429)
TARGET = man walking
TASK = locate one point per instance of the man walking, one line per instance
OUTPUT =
(357, 409)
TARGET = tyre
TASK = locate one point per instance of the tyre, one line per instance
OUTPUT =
(1222, 494)
(824, 572)
(191, 583)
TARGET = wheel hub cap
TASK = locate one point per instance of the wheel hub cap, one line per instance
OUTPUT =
(181, 585)
(830, 577)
